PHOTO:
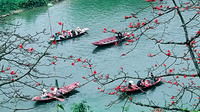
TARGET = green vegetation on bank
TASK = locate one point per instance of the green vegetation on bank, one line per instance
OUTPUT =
(9, 5)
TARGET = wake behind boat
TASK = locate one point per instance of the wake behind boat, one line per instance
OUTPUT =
(68, 34)
(55, 95)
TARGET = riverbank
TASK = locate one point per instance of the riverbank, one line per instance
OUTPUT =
(17, 6)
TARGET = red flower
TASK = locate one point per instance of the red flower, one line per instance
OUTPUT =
(72, 63)
(12, 72)
(164, 65)
(176, 83)
(54, 42)
(107, 76)
(53, 63)
(8, 68)
(12, 79)
(85, 60)
(127, 17)
(30, 49)
(37, 84)
(52, 88)
(169, 82)
(105, 29)
(20, 46)
(2, 71)
(130, 26)
(176, 7)
(117, 88)
(156, 21)
(102, 90)
(90, 66)
(198, 32)
(185, 76)
(60, 23)
(171, 70)
(177, 76)
(78, 59)
(172, 102)
(193, 75)
(84, 65)
(131, 40)
(126, 43)
(150, 55)
(130, 98)
(71, 56)
(84, 77)
(113, 30)
(55, 57)
(138, 25)
(95, 72)
(168, 54)
(143, 23)
(111, 93)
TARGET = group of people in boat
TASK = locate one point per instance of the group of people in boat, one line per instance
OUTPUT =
(142, 83)
(54, 92)
(68, 33)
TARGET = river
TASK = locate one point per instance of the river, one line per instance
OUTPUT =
(96, 15)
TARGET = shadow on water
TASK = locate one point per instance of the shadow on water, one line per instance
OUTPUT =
(65, 97)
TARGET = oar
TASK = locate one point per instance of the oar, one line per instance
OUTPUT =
(59, 99)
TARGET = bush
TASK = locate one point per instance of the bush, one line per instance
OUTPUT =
(8, 5)
(81, 107)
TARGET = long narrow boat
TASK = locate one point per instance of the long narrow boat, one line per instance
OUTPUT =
(136, 89)
(63, 90)
(109, 41)
(64, 35)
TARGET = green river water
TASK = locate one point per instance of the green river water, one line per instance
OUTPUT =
(96, 15)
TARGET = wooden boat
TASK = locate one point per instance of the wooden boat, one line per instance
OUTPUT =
(68, 34)
(136, 89)
(63, 91)
(109, 41)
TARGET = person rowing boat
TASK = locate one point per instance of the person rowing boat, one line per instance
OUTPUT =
(132, 86)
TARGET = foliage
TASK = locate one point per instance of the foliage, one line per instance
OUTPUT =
(59, 106)
(8, 5)
(81, 107)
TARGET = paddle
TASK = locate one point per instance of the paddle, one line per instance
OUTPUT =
(56, 83)
(59, 99)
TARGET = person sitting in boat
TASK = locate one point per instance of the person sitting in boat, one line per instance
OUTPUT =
(153, 78)
(78, 29)
(147, 83)
(61, 37)
(44, 93)
(70, 33)
(140, 83)
(56, 92)
(73, 33)
(119, 36)
(131, 85)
